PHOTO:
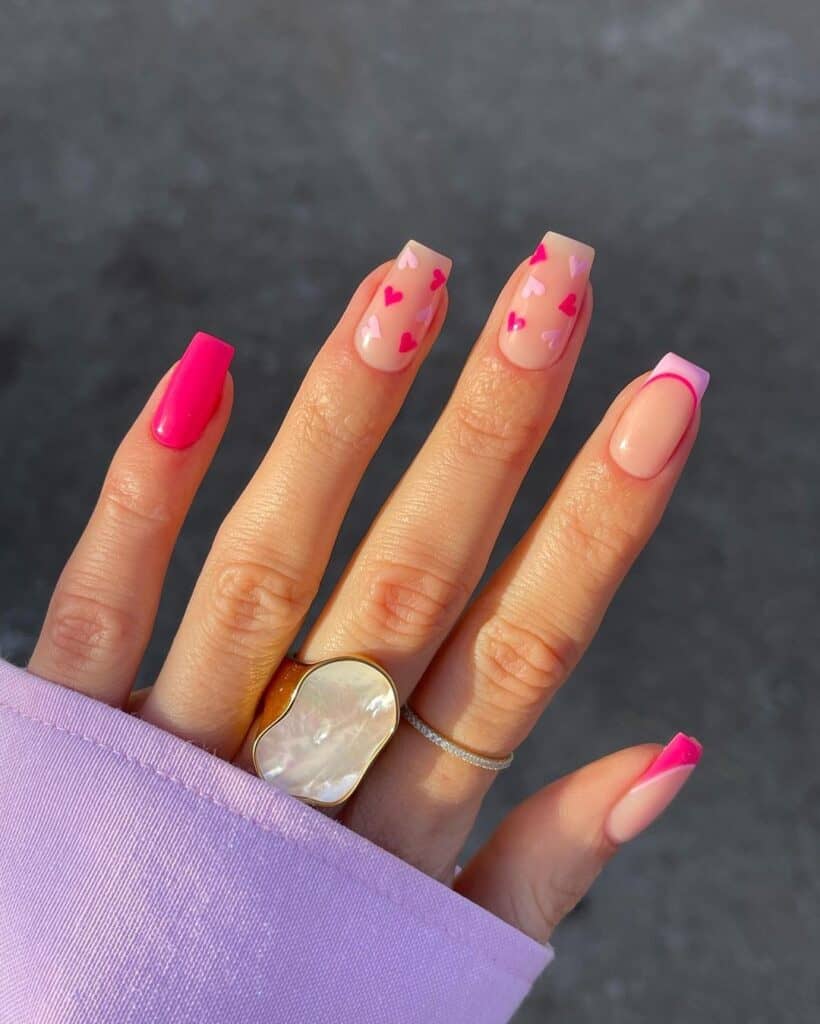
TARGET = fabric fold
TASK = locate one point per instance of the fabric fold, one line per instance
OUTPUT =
(143, 879)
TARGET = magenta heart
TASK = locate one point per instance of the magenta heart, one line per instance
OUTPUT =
(539, 255)
(438, 279)
(407, 343)
(515, 323)
(568, 304)
(392, 295)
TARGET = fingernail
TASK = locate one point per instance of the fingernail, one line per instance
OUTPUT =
(193, 392)
(655, 789)
(397, 319)
(655, 421)
(544, 308)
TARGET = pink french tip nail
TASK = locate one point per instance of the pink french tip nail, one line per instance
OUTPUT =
(546, 302)
(656, 420)
(655, 789)
(396, 321)
(193, 393)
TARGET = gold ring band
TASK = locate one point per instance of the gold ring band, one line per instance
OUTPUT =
(490, 764)
(322, 725)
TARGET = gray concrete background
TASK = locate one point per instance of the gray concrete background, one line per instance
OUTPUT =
(237, 167)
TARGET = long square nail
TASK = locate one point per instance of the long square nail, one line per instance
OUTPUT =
(538, 323)
(193, 393)
(397, 319)
(656, 420)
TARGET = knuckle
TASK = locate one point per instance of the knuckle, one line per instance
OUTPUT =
(596, 541)
(84, 631)
(489, 423)
(329, 422)
(257, 601)
(132, 498)
(407, 602)
(517, 669)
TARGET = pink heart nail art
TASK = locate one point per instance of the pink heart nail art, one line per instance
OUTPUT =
(515, 323)
(392, 295)
(552, 338)
(539, 255)
(568, 306)
(371, 327)
(408, 259)
(532, 287)
(577, 264)
(408, 342)
(425, 315)
(438, 279)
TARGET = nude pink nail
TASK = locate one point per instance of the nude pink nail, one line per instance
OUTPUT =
(396, 321)
(653, 791)
(656, 420)
(539, 321)
(193, 393)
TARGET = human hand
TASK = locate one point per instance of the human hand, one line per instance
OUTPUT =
(481, 676)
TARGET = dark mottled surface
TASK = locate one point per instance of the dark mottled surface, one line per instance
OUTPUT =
(169, 166)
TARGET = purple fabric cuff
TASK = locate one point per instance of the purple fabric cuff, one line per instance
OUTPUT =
(143, 879)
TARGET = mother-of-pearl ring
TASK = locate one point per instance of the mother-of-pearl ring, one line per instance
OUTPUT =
(323, 725)
(491, 764)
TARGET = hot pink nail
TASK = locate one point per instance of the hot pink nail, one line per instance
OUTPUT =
(655, 421)
(655, 789)
(545, 305)
(193, 392)
(396, 321)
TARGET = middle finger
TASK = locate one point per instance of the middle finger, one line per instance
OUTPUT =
(428, 547)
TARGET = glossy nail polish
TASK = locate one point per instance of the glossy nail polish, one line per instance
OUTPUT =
(655, 789)
(538, 323)
(656, 420)
(193, 393)
(396, 321)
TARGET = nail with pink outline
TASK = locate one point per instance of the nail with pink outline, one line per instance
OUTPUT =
(546, 301)
(656, 420)
(396, 321)
(653, 791)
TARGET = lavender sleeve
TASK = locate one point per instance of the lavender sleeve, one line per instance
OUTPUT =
(142, 879)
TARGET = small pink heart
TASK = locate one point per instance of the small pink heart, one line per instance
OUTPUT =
(408, 259)
(539, 255)
(392, 295)
(551, 337)
(439, 278)
(424, 316)
(577, 264)
(371, 327)
(532, 287)
(408, 342)
(515, 323)
(568, 306)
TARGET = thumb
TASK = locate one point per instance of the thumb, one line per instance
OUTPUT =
(547, 853)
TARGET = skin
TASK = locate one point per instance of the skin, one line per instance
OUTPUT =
(484, 677)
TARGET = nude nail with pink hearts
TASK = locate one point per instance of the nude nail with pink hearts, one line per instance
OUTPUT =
(399, 316)
(546, 302)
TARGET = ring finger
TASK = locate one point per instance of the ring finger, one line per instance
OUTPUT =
(271, 551)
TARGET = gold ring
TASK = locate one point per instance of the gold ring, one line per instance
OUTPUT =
(323, 725)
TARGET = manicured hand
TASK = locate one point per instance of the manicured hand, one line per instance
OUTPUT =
(482, 675)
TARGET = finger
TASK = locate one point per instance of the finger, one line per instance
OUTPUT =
(547, 853)
(425, 553)
(103, 608)
(271, 551)
(525, 632)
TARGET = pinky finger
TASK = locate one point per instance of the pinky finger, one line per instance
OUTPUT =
(547, 853)
(103, 608)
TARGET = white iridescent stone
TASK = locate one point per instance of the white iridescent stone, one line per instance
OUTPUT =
(342, 715)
